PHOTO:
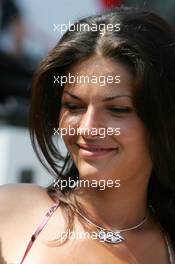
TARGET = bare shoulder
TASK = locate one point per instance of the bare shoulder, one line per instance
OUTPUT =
(15, 198)
(7, 189)
(10, 193)
(22, 209)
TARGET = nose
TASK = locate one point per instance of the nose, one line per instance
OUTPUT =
(90, 123)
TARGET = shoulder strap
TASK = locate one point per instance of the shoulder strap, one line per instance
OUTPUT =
(46, 218)
(169, 246)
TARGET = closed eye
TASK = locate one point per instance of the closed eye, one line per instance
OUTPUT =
(121, 109)
(71, 107)
(74, 107)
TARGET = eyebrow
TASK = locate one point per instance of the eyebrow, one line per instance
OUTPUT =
(104, 100)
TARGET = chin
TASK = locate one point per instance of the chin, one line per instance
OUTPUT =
(88, 172)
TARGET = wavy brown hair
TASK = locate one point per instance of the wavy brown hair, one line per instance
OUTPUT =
(146, 44)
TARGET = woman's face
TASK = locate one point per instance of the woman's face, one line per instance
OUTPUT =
(93, 107)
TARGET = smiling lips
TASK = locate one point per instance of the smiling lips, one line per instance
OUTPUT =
(90, 150)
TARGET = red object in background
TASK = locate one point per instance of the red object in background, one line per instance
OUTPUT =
(111, 3)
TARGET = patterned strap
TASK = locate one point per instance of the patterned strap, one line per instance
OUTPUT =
(170, 252)
(46, 218)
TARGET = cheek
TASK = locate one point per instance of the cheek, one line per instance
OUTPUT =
(66, 119)
(133, 131)
(66, 122)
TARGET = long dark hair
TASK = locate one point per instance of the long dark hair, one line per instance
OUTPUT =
(146, 44)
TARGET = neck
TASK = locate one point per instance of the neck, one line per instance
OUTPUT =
(115, 208)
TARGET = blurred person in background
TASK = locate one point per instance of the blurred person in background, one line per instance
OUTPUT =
(12, 28)
(15, 67)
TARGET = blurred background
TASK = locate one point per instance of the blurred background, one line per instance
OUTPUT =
(28, 30)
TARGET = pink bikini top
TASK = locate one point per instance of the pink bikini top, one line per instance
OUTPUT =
(53, 208)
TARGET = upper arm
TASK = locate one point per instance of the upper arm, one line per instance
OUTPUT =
(5, 191)
(14, 198)
(6, 202)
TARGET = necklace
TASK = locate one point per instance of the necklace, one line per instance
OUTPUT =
(111, 236)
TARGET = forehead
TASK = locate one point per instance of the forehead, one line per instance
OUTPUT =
(103, 69)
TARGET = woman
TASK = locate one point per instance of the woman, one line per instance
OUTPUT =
(110, 73)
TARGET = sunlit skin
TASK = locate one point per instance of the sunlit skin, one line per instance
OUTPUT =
(94, 106)
(88, 106)
(126, 158)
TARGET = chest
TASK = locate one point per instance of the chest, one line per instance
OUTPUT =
(78, 252)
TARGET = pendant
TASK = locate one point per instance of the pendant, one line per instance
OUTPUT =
(110, 237)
